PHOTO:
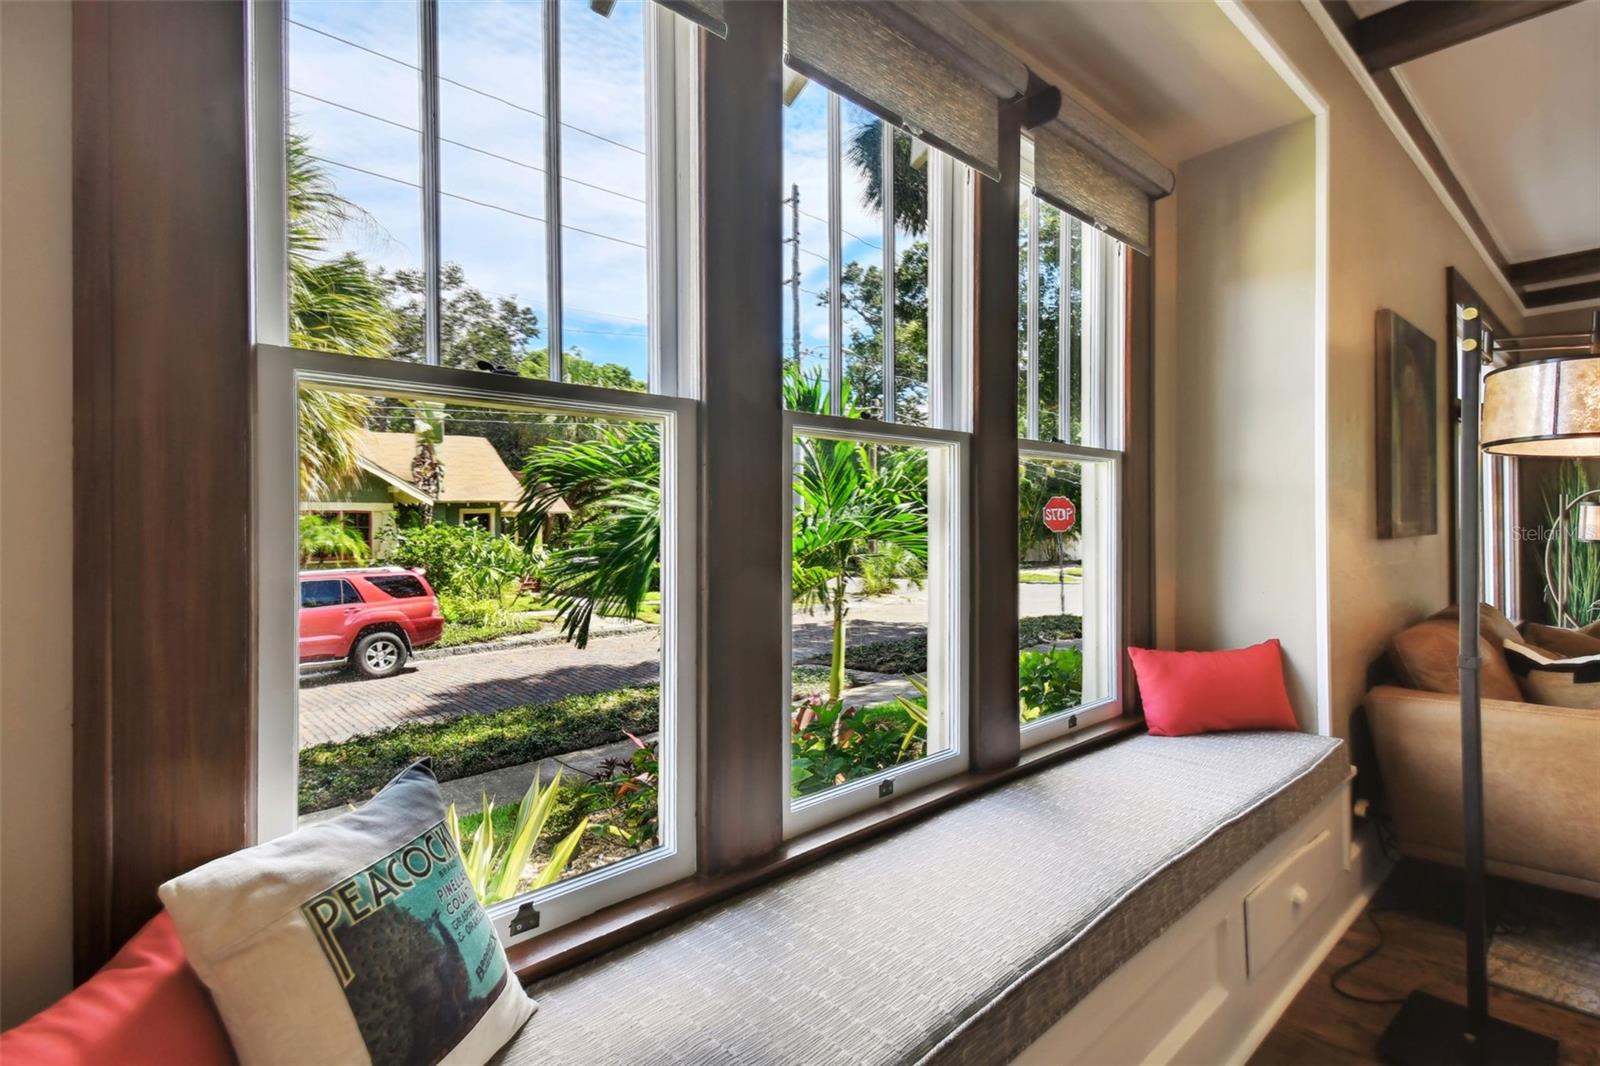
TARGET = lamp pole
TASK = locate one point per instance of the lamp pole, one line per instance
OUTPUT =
(1468, 584)
(1428, 1029)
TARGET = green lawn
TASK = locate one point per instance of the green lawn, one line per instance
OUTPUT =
(457, 633)
(476, 743)
(352, 770)
(1048, 577)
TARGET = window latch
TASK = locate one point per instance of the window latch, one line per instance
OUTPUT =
(526, 920)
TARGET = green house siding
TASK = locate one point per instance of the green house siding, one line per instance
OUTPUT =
(367, 489)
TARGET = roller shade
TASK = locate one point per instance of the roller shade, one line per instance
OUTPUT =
(922, 70)
(709, 15)
(1089, 169)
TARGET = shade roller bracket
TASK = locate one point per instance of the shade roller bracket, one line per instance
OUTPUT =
(1041, 104)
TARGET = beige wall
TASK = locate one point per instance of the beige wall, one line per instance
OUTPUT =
(35, 506)
(1390, 240)
(1245, 473)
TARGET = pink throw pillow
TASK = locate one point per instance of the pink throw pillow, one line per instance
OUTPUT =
(144, 1008)
(1188, 692)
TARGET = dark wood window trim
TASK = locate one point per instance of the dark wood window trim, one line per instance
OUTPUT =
(163, 715)
(742, 642)
(162, 310)
(995, 738)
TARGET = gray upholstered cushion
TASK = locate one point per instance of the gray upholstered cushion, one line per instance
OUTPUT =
(958, 939)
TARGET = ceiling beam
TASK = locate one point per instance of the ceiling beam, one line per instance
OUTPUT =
(1562, 294)
(1555, 268)
(1421, 27)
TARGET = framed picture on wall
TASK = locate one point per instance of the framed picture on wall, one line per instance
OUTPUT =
(1408, 429)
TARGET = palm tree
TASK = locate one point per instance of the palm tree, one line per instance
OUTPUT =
(335, 305)
(851, 500)
(610, 556)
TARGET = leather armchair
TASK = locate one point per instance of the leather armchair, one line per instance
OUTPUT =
(1541, 783)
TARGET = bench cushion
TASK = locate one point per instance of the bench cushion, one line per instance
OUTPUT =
(961, 938)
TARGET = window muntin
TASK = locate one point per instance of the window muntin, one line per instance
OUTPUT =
(436, 213)
(1067, 618)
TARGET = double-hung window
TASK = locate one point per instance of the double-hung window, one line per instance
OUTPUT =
(1069, 396)
(873, 315)
(468, 247)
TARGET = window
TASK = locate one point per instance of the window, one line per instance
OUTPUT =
(483, 518)
(846, 231)
(418, 234)
(321, 593)
(428, 147)
(400, 587)
(876, 648)
(1070, 290)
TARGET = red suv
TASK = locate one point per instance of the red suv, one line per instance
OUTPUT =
(373, 618)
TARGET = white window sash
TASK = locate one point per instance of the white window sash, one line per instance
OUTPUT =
(1102, 566)
(949, 585)
(280, 374)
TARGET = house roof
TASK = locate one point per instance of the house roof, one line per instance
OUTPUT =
(473, 470)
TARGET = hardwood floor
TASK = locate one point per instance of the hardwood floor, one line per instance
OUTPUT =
(1322, 1028)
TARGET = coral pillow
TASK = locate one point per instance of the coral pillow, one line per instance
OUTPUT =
(144, 1008)
(1188, 692)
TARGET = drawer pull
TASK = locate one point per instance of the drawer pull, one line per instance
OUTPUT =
(1298, 895)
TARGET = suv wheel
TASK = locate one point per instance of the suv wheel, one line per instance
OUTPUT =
(379, 655)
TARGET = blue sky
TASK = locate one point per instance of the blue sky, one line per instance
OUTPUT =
(353, 83)
(354, 88)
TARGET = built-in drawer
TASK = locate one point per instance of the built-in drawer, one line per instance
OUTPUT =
(1291, 893)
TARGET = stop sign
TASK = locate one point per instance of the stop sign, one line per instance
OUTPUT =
(1059, 514)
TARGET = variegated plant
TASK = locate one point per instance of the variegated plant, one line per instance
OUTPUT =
(496, 872)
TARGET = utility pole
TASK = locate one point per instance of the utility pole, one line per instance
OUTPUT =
(794, 271)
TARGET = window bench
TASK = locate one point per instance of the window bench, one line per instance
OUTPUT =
(967, 936)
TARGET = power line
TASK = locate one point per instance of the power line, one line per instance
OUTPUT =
(469, 147)
(463, 85)
(847, 233)
(478, 203)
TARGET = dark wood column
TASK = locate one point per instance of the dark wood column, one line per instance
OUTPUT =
(741, 445)
(996, 738)
(164, 606)
(1138, 480)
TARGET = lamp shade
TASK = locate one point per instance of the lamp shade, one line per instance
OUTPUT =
(1547, 407)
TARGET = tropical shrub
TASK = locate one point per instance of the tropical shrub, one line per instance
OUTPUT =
(880, 570)
(495, 868)
(625, 791)
(328, 539)
(832, 743)
(468, 563)
(1049, 681)
(909, 655)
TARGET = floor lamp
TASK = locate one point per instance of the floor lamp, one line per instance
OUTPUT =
(1542, 407)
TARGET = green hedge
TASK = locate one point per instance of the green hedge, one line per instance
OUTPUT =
(909, 655)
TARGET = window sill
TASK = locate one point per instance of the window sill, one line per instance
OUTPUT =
(618, 925)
